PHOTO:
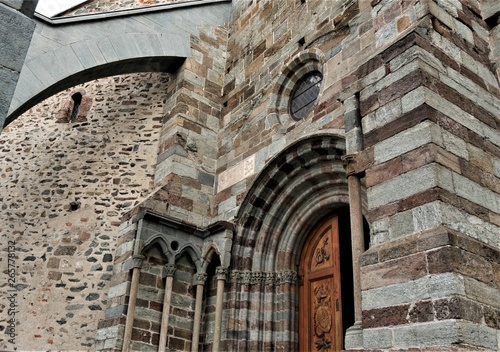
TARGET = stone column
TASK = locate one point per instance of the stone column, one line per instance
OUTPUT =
(169, 270)
(357, 239)
(134, 287)
(200, 285)
(354, 145)
(221, 273)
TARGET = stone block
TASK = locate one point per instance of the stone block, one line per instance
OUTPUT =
(426, 217)
(119, 290)
(455, 145)
(395, 189)
(394, 271)
(107, 333)
(478, 335)
(379, 338)
(421, 134)
(401, 224)
(481, 292)
(426, 334)
(473, 226)
(413, 99)
(16, 33)
(476, 193)
(424, 288)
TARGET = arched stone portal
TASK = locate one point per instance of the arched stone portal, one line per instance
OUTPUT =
(297, 189)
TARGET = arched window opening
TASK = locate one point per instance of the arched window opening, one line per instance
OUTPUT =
(77, 101)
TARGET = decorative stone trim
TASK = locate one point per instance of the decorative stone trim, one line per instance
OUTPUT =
(200, 278)
(306, 61)
(261, 277)
(221, 272)
(169, 270)
(137, 260)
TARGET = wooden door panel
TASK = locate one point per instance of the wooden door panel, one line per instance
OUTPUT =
(320, 305)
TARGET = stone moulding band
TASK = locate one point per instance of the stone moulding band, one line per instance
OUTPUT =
(261, 277)
(123, 12)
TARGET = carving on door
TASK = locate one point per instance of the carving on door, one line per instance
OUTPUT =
(322, 253)
(320, 316)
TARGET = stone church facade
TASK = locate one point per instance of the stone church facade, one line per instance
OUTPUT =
(311, 175)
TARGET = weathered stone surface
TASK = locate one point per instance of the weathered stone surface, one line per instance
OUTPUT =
(16, 38)
(394, 271)
(432, 286)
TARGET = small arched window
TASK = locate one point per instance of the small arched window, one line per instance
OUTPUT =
(74, 107)
(77, 101)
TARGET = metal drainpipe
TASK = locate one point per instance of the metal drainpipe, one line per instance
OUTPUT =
(200, 285)
(134, 286)
(354, 144)
(221, 273)
(169, 273)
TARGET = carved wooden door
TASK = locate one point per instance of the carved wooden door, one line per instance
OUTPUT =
(320, 305)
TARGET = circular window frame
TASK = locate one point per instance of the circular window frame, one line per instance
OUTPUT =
(306, 62)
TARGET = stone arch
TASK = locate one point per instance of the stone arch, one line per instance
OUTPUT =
(309, 179)
(306, 61)
(159, 240)
(66, 53)
(210, 252)
(193, 253)
(297, 189)
(30, 91)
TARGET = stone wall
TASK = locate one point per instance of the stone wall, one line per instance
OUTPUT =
(428, 99)
(64, 189)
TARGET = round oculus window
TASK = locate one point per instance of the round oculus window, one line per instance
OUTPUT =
(304, 95)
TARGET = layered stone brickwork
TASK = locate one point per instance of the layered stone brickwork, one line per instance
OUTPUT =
(429, 106)
(430, 120)
(437, 287)
(185, 172)
(64, 189)
(265, 38)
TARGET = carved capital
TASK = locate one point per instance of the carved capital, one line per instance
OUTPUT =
(350, 163)
(169, 270)
(201, 278)
(358, 163)
(221, 272)
(137, 260)
(235, 276)
(257, 277)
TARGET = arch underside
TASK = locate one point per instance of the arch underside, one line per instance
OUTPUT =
(140, 64)
(76, 51)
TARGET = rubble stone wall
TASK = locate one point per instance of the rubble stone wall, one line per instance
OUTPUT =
(64, 189)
